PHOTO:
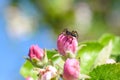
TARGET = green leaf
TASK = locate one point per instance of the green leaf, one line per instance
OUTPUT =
(106, 72)
(104, 54)
(88, 54)
(105, 39)
(56, 59)
(27, 70)
(51, 53)
(115, 42)
(53, 56)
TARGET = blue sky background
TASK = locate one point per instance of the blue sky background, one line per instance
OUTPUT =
(12, 51)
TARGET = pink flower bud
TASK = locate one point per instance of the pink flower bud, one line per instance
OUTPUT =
(29, 78)
(71, 69)
(35, 52)
(66, 44)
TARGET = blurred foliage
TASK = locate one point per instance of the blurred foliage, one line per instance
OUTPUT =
(60, 14)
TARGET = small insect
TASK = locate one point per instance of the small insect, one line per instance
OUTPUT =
(73, 33)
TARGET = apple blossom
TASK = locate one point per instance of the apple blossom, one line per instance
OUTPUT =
(36, 53)
(67, 44)
(71, 69)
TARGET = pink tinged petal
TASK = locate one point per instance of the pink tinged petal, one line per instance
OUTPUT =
(110, 61)
(75, 44)
(29, 78)
(71, 69)
(49, 73)
(46, 76)
(60, 44)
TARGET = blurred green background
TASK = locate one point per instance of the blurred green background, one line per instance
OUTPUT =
(27, 22)
(90, 18)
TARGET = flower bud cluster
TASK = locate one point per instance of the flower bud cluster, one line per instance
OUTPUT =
(67, 45)
(60, 64)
